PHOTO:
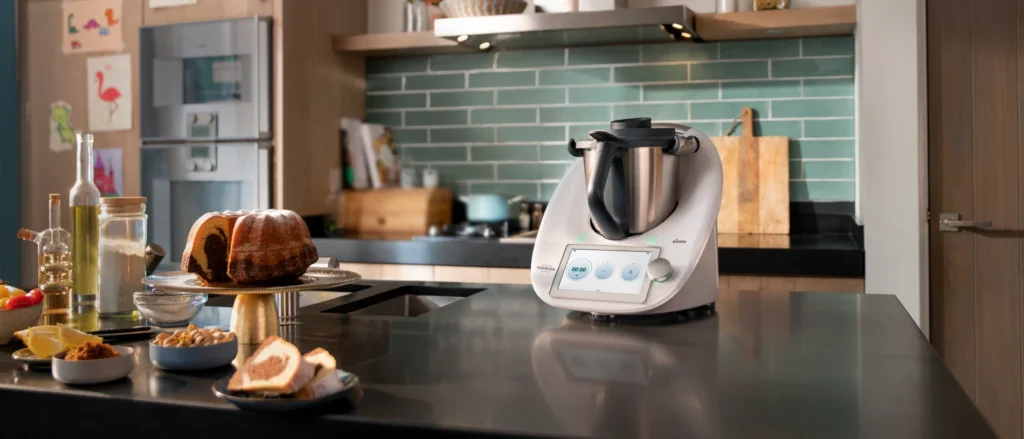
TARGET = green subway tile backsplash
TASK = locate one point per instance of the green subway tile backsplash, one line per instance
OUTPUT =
(678, 52)
(828, 46)
(461, 135)
(390, 118)
(700, 91)
(656, 73)
(531, 134)
(797, 68)
(810, 108)
(604, 55)
(587, 76)
(531, 97)
(760, 89)
(473, 61)
(576, 114)
(829, 128)
(462, 98)
(504, 153)
(421, 154)
(435, 82)
(760, 49)
(665, 112)
(436, 117)
(384, 83)
(726, 110)
(499, 122)
(610, 93)
(532, 58)
(824, 87)
(502, 79)
(503, 116)
(729, 70)
(397, 100)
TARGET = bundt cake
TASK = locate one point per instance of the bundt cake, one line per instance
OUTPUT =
(256, 247)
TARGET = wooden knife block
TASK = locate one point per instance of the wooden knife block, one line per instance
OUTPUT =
(396, 210)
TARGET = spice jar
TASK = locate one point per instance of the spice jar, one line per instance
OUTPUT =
(122, 248)
(767, 5)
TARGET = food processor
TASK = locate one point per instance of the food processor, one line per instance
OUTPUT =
(631, 228)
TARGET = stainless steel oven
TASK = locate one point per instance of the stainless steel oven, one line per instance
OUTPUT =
(205, 122)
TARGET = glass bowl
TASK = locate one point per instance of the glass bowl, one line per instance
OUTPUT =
(164, 308)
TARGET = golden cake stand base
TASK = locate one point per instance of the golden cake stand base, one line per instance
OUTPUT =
(254, 318)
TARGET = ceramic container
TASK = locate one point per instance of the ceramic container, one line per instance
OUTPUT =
(193, 358)
(94, 371)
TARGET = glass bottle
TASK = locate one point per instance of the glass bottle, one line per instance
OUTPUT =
(54, 261)
(85, 212)
(122, 255)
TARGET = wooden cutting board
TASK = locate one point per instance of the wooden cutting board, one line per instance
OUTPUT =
(755, 193)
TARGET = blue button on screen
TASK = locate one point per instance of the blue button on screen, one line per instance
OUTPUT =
(604, 271)
(578, 269)
(630, 272)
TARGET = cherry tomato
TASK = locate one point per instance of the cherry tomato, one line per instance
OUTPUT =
(19, 302)
(36, 295)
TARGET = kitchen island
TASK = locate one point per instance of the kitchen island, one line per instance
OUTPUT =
(493, 360)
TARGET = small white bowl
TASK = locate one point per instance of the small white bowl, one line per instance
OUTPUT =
(94, 371)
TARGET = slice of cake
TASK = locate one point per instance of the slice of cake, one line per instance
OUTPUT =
(276, 367)
(326, 380)
(207, 247)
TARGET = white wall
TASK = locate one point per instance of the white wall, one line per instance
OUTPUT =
(892, 155)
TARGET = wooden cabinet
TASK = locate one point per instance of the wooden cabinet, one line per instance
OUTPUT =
(521, 276)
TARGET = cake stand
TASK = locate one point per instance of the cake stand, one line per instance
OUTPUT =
(254, 316)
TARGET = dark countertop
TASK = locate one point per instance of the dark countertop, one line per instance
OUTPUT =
(502, 363)
(797, 255)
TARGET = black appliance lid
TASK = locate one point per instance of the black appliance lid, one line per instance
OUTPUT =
(636, 132)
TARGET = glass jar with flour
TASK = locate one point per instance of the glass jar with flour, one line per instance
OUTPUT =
(122, 249)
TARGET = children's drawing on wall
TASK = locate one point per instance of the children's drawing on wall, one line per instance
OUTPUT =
(62, 135)
(91, 26)
(107, 172)
(110, 93)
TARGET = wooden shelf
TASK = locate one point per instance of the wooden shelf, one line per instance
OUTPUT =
(786, 23)
(751, 25)
(394, 44)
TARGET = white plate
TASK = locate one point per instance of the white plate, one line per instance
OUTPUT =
(94, 371)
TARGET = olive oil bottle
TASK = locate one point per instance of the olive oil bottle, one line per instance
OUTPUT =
(85, 234)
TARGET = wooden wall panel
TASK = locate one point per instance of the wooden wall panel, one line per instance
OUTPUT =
(314, 88)
(444, 273)
(48, 75)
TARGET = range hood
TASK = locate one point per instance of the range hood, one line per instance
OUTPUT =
(520, 31)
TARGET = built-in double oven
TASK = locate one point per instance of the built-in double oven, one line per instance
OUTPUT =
(205, 98)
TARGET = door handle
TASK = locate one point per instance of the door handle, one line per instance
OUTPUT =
(951, 222)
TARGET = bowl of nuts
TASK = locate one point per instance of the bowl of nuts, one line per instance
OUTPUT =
(193, 348)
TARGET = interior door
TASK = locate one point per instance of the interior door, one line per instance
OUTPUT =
(975, 85)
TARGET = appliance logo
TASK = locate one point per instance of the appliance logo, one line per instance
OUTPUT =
(546, 268)
(679, 241)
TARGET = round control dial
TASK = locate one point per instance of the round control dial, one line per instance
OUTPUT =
(659, 270)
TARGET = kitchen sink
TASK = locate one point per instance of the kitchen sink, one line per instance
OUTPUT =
(406, 301)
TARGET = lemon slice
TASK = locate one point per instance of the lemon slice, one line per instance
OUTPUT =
(74, 338)
(45, 329)
(44, 345)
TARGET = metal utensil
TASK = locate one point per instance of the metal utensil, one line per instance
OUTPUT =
(154, 254)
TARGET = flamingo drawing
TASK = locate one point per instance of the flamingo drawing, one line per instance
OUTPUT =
(110, 95)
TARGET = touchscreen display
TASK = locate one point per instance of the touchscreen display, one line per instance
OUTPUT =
(605, 271)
